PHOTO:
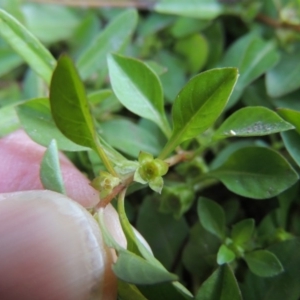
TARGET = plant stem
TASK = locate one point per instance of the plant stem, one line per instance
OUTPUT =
(277, 24)
(105, 159)
(117, 190)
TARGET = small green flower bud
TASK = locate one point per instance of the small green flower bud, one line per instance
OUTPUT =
(105, 183)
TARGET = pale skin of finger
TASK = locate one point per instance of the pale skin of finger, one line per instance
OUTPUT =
(51, 248)
(20, 166)
(45, 249)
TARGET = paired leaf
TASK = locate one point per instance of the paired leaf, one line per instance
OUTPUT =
(112, 39)
(26, 45)
(212, 217)
(199, 104)
(242, 231)
(206, 10)
(35, 117)
(50, 172)
(220, 285)
(263, 263)
(252, 121)
(256, 172)
(225, 255)
(138, 89)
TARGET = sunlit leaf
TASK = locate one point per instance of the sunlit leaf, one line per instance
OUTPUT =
(199, 104)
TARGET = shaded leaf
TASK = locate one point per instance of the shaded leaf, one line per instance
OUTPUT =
(221, 285)
(134, 269)
(256, 172)
(199, 104)
(212, 217)
(164, 234)
(128, 291)
(27, 46)
(129, 137)
(285, 76)
(291, 141)
(263, 263)
(35, 117)
(111, 39)
(252, 121)
(138, 88)
(253, 57)
(50, 173)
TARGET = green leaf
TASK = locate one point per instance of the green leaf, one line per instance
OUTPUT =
(43, 26)
(205, 9)
(252, 121)
(35, 117)
(128, 291)
(256, 172)
(290, 115)
(253, 57)
(256, 287)
(9, 121)
(199, 255)
(199, 104)
(164, 234)
(212, 217)
(242, 231)
(129, 137)
(166, 291)
(194, 50)
(221, 285)
(69, 105)
(27, 46)
(291, 141)
(285, 76)
(112, 39)
(50, 172)
(263, 263)
(138, 88)
(134, 269)
(225, 255)
(8, 61)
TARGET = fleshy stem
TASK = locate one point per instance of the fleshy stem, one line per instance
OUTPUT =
(105, 160)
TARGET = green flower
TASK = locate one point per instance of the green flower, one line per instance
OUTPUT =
(105, 183)
(150, 171)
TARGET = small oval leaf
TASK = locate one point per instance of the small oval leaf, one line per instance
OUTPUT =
(199, 104)
(69, 104)
(263, 263)
(256, 172)
(212, 217)
(252, 121)
(138, 88)
(50, 172)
